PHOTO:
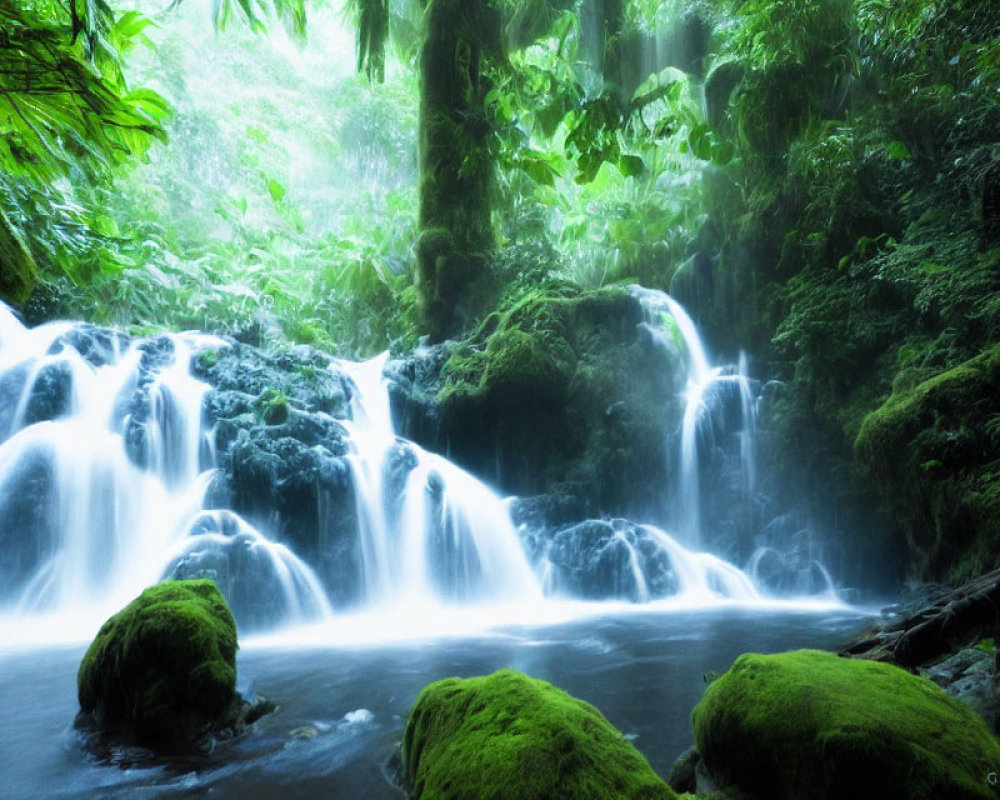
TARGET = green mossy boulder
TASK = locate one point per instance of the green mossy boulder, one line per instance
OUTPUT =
(810, 724)
(162, 671)
(559, 392)
(510, 737)
(933, 452)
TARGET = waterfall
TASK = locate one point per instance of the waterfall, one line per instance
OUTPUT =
(106, 464)
(429, 531)
(104, 467)
(708, 390)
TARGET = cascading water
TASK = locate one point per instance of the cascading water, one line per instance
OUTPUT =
(721, 405)
(707, 392)
(106, 464)
(102, 470)
(429, 531)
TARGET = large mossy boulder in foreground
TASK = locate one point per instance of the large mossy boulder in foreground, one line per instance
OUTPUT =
(162, 672)
(810, 724)
(510, 737)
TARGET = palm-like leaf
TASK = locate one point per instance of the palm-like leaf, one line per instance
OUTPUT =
(58, 107)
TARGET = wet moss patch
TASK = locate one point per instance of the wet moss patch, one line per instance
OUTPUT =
(510, 737)
(810, 724)
(933, 451)
(560, 392)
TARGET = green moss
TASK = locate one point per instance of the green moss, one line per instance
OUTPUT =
(933, 452)
(272, 405)
(810, 724)
(543, 397)
(208, 359)
(510, 737)
(162, 671)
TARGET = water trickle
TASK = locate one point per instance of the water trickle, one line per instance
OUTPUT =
(265, 583)
(616, 559)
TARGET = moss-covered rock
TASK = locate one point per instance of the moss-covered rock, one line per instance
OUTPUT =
(562, 391)
(162, 671)
(810, 724)
(510, 737)
(933, 451)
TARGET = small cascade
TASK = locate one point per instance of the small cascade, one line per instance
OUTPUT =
(616, 559)
(429, 531)
(103, 465)
(703, 576)
(265, 583)
(711, 393)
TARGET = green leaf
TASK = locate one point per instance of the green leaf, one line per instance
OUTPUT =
(700, 142)
(630, 166)
(666, 84)
(276, 190)
(723, 152)
(896, 151)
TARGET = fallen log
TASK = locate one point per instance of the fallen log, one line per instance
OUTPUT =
(958, 619)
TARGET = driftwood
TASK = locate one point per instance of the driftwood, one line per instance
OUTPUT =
(959, 619)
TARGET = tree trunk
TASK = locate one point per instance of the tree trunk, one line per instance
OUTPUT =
(456, 166)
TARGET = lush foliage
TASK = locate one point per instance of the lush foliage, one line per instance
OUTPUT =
(610, 182)
(249, 221)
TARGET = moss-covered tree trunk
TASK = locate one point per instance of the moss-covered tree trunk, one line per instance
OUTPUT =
(17, 267)
(456, 165)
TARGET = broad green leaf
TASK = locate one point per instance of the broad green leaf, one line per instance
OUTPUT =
(276, 189)
(896, 151)
(630, 166)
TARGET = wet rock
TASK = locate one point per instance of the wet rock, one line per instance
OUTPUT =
(970, 677)
(27, 528)
(263, 582)
(607, 559)
(952, 620)
(48, 397)
(522, 402)
(293, 482)
(302, 375)
(281, 454)
(810, 724)
(161, 673)
(51, 393)
(545, 511)
(97, 346)
(138, 407)
(683, 773)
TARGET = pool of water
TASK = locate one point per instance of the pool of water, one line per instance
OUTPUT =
(342, 707)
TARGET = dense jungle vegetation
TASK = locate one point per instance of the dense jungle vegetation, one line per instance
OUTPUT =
(818, 181)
